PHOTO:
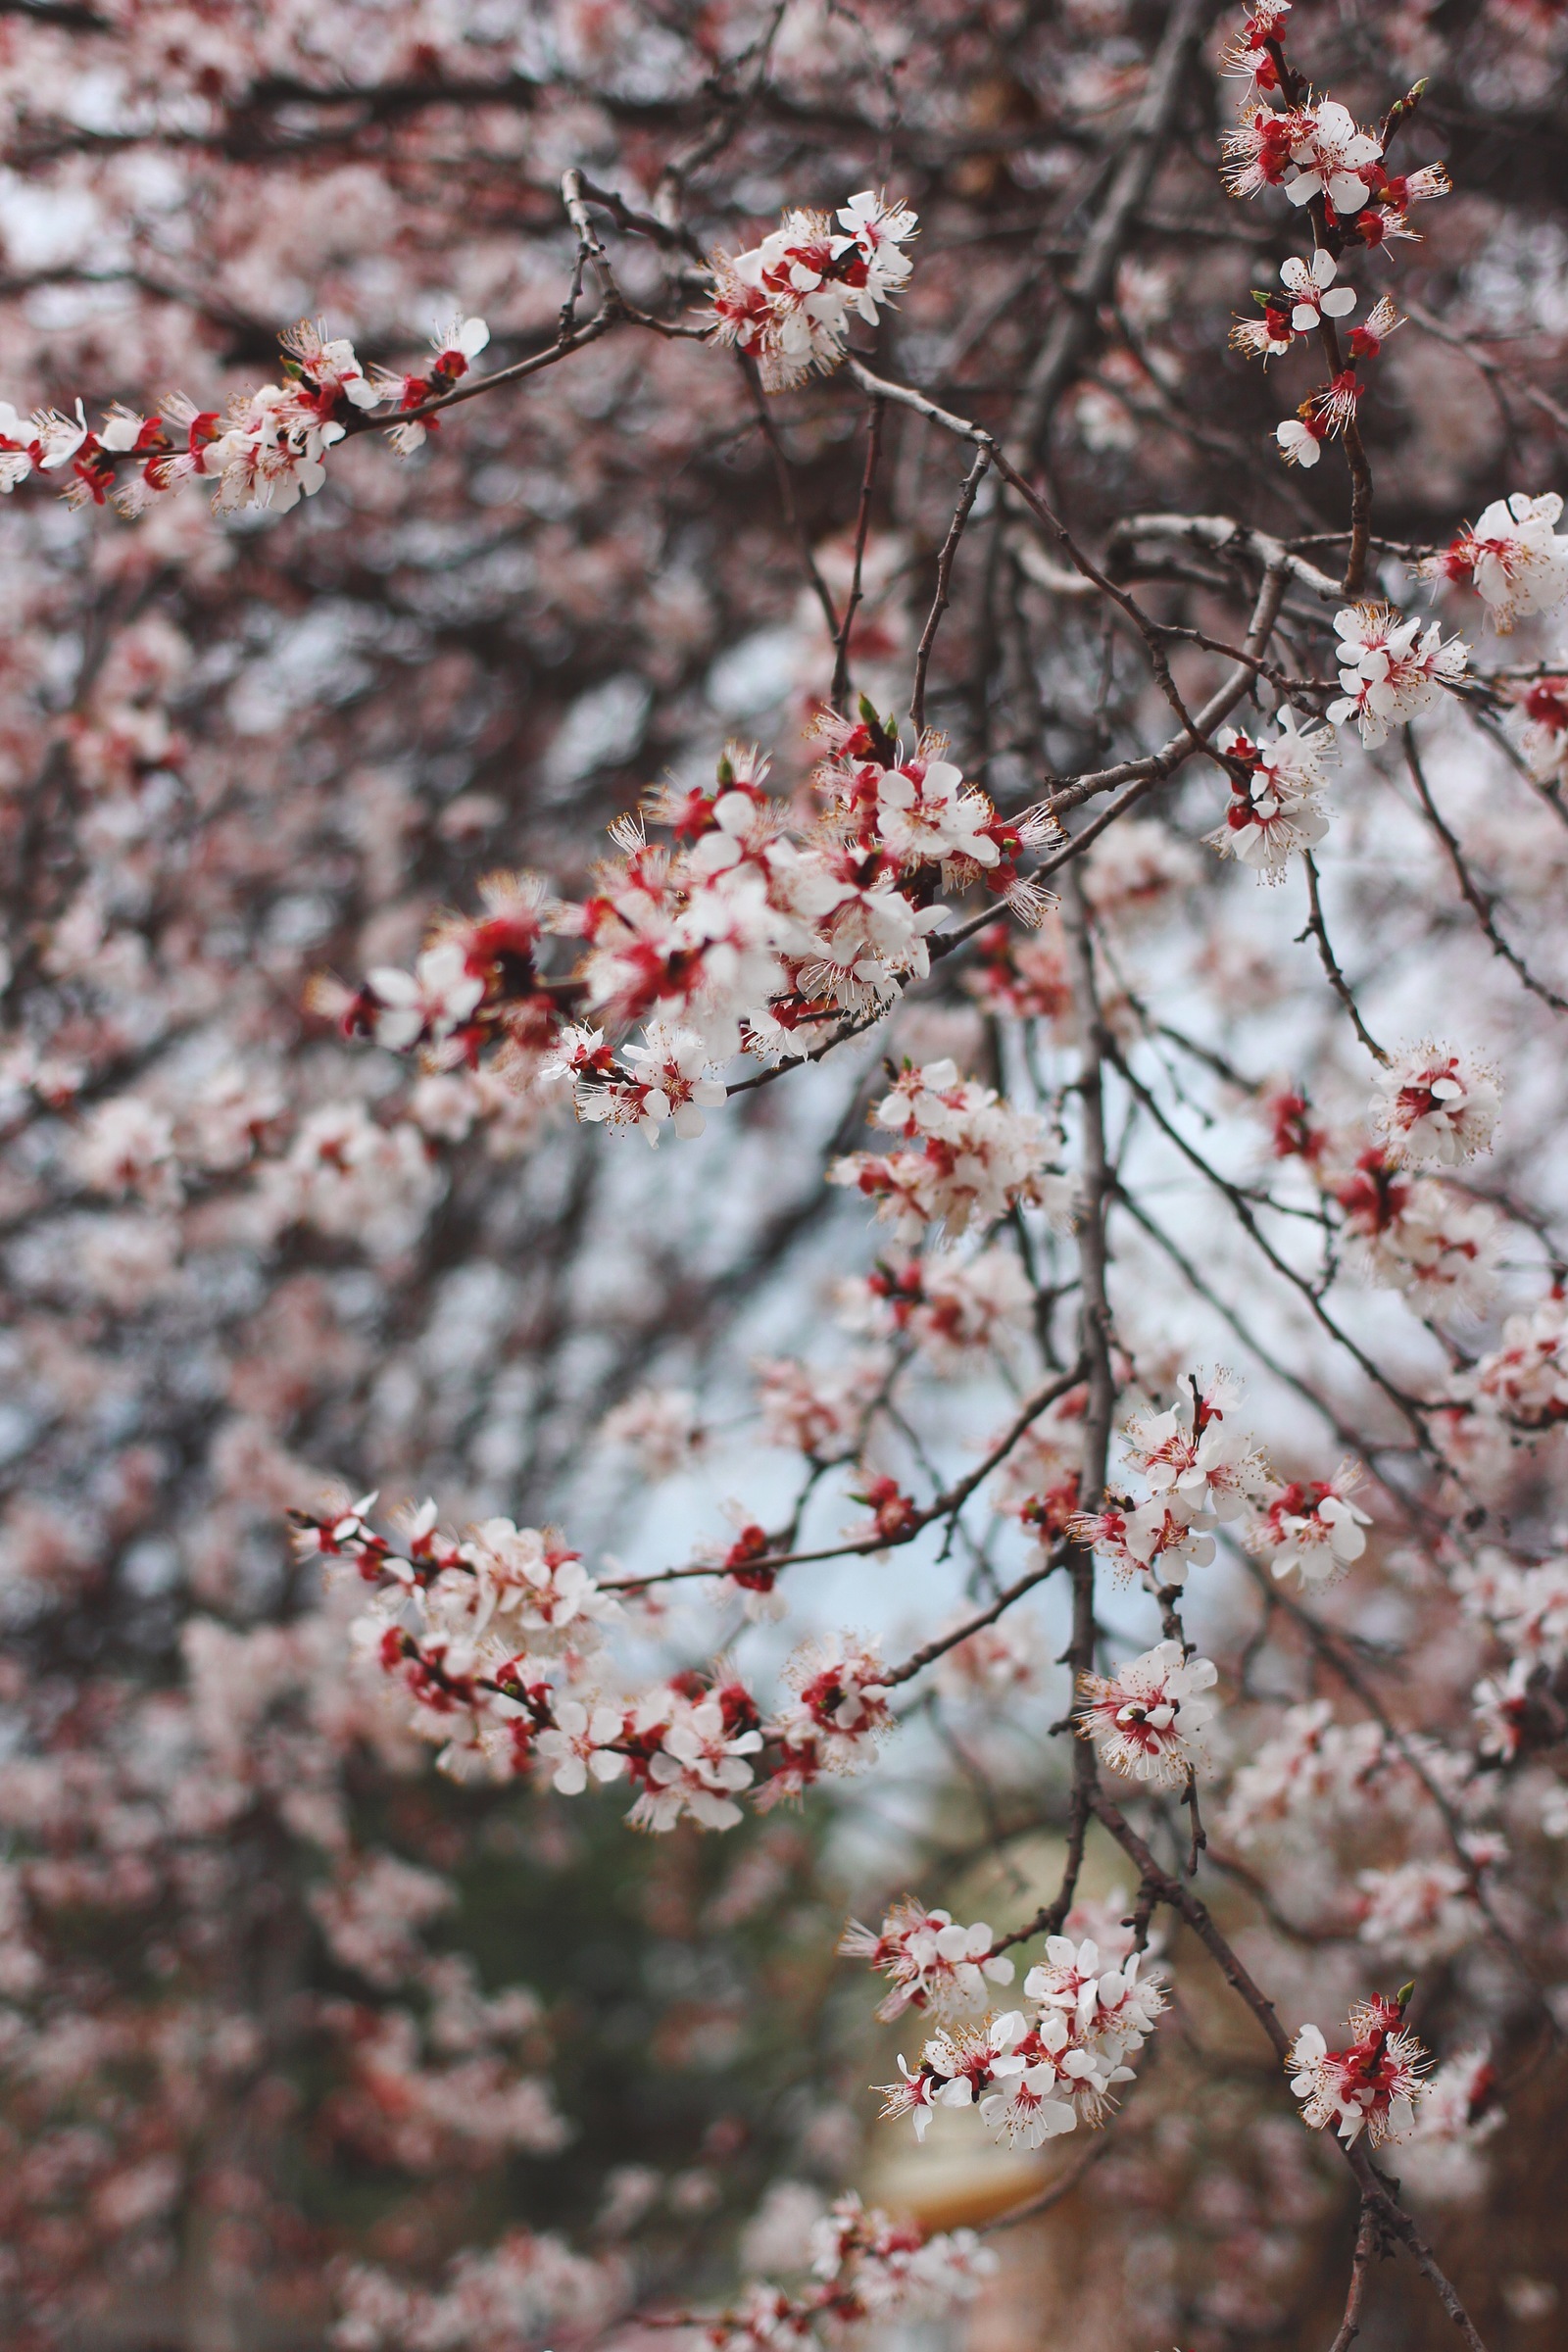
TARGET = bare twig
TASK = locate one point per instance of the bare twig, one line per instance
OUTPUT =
(939, 603)
(839, 690)
(1476, 899)
(1318, 930)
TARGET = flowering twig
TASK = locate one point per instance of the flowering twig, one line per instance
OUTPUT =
(1375, 2190)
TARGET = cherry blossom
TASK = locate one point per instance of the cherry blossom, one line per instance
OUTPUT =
(1275, 811)
(1418, 1912)
(1523, 1382)
(1311, 1526)
(1313, 293)
(1436, 1105)
(1302, 437)
(1513, 559)
(427, 1005)
(578, 1745)
(1196, 1454)
(977, 1156)
(1314, 1769)
(1330, 155)
(689, 1754)
(1389, 668)
(661, 1427)
(952, 1308)
(933, 1964)
(839, 1714)
(454, 349)
(818, 1410)
(788, 302)
(1156, 1537)
(1457, 2114)
(1246, 54)
(1148, 1719)
(1372, 2086)
(1415, 1235)
(1526, 1607)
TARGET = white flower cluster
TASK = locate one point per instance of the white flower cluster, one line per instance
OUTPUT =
(1202, 1469)
(1523, 1382)
(1033, 2079)
(1434, 1105)
(267, 450)
(969, 1156)
(865, 2267)
(1276, 810)
(1513, 557)
(1148, 1719)
(951, 1308)
(788, 302)
(1389, 668)
(1310, 1526)
(933, 1964)
(1313, 1775)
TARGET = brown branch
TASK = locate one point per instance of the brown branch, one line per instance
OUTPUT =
(939, 603)
(786, 491)
(918, 1659)
(1366, 2238)
(840, 688)
(1480, 906)
(1375, 2190)
(947, 1506)
(1147, 140)
(1318, 930)
(1411, 1408)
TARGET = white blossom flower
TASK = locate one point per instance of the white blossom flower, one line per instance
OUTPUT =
(1330, 155)
(1315, 294)
(1148, 1719)
(1312, 1526)
(1513, 557)
(933, 1963)
(1433, 1104)
(1371, 2086)
(1389, 668)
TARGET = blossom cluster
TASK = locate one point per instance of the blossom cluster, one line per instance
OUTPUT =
(1372, 2086)
(497, 1645)
(1035, 2079)
(1432, 1106)
(1204, 1471)
(969, 1157)
(267, 450)
(788, 303)
(1313, 149)
(864, 2268)
(745, 934)
(932, 1963)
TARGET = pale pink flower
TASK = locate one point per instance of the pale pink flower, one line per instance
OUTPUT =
(1148, 1719)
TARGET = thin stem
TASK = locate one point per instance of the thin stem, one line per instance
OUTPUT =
(840, 688)
(1318, 930)
(939, 603)
(1475, 897)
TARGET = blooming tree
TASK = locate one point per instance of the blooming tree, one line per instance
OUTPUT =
(386, 820)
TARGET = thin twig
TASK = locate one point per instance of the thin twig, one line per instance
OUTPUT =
(863, 524)
(1475, 897)
(1318, 930)
(939, 603)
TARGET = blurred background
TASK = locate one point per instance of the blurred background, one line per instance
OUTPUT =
(273, 2001)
